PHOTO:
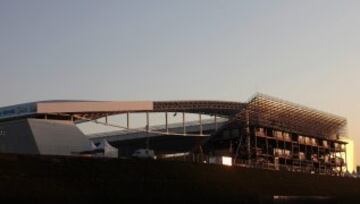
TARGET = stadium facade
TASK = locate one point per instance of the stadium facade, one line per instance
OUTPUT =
(276, 134)
(264, 132)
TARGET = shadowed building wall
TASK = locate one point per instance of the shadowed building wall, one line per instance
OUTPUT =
(36, 136)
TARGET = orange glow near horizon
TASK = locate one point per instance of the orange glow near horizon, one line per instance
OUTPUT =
(350, 161)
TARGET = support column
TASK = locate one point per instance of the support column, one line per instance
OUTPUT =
(324, 153)
(215, 121)
(332, 166)
(306, 158)
(346, 164)
(275, 156)
(106, 119)
(311, 155)
(201, 127)
(285, 159)
(248, 139)
(341, 165)
(128, 120)
(318, 157)
(256, 149)
(300, 157)
(183, 121)
(166, 122)
(147, 130)
(147, 122)
(267, 151)
(292, 155)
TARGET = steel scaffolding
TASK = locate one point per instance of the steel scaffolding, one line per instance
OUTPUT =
(273, 133)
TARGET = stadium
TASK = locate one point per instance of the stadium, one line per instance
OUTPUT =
(265, 132)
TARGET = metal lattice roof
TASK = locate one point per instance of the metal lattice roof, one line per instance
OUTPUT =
(263, 110)
(222, 108)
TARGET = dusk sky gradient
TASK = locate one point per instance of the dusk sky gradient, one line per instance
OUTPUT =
(306, 52)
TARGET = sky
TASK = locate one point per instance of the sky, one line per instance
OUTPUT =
(302, 51)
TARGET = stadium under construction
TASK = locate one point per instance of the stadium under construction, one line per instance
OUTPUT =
(265, 132)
